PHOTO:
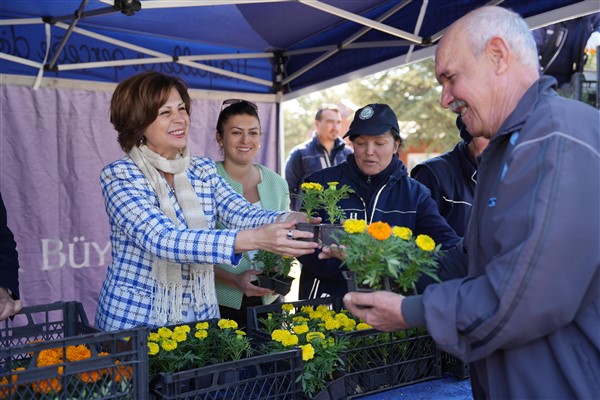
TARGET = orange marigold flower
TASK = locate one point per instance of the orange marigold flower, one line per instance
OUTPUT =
(78, 353)
(47, 386)
(49, 357)
(90, 377)
(122, 372)
(380, 230)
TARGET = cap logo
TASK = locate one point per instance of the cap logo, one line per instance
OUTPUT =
(366, 113)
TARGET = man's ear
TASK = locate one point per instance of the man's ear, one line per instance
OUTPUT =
(499, 53)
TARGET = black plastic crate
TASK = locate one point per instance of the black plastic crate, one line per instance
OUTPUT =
(260, 377)
(48, 352)
(45, 322)
(454, 366)
(374, 361)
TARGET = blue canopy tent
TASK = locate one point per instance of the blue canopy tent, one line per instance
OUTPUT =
(60, 60)
(273, 47)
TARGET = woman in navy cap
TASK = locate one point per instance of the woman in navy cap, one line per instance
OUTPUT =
(383, 191)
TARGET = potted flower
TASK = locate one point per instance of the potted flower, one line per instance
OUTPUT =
(275, 270)
(315, 331)
(213, 359)
(378, 253)
(330, 199)
(174, 349)
(311, 202)
(66, 370)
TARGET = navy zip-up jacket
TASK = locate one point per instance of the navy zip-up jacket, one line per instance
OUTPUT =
(390, 196)
(451, 178)
(528, 312)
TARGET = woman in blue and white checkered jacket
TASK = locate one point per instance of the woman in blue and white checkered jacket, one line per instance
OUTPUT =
(162, 206)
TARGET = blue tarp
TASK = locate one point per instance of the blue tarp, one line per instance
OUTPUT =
(250, 47)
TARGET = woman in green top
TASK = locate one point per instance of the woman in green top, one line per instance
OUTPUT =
(238, 135)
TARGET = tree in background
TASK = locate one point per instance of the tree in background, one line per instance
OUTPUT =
(411, 91)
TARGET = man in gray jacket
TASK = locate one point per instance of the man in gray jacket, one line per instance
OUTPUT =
(526, 308)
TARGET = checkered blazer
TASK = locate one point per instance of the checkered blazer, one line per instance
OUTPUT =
(140, 231)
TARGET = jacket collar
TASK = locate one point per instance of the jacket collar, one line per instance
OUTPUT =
(544, 86)
(394, 171)
(338, 143)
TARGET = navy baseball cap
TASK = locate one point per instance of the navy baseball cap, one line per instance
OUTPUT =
(373, 120)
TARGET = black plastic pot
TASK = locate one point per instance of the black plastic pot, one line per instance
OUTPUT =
(280, 284)
(331, 233)
(307, 227)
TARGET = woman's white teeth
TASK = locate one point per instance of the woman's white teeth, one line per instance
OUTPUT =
(177, 133)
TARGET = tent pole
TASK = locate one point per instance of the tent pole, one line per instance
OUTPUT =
(63, 42)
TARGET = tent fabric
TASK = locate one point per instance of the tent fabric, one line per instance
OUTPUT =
(249, 47)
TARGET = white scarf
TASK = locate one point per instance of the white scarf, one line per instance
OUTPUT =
(168, 301)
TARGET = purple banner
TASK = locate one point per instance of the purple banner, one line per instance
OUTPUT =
(53, 145)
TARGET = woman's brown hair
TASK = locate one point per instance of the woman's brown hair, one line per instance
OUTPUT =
(135, 103)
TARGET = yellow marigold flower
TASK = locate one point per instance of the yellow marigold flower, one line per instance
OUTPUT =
(165, 333)
(201, 334)
(341, 317)
(299, 319)
(308, 186)
(308, 352)
(227, 323)
(300, 329)
(310, 336)
(279, 335)
(153, 348)
(307, 309)
(179, 336)
(182, 328)
(402, 232)
(322, 308)
(315, 315)
(202, 325)
(332, 324)
(153, 337)
(425, 242)
(240, 333)
(333, 185)
(291, 340)
(380, 230)
(168, 344)
(362, 326)
(355, 225)
(287, 307)
(77, 353)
